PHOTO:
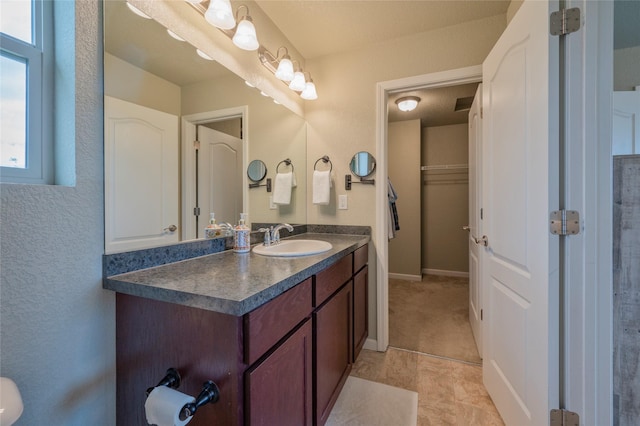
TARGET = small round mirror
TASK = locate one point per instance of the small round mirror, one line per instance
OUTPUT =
(362, 164)
(256, 171)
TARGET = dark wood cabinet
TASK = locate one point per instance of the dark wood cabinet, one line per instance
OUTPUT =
(333, 342)
(360, 310)
(284, 363)
(279, 390)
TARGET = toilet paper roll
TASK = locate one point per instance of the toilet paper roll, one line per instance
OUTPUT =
(163, 406)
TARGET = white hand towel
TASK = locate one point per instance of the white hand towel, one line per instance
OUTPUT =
(294, 182)
(321, 187)
(282, 190)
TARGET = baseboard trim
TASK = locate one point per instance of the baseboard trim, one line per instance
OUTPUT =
(444, 273)
(370, 344)
(406, 277)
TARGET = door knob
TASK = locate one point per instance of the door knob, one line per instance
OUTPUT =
(481, 241)
(171, 228)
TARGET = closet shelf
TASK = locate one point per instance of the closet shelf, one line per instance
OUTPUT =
(445, 167)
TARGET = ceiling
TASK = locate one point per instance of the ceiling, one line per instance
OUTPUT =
(323, 27)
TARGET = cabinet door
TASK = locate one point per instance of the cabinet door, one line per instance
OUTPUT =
(279, 389)
(360, 311)
(333, 343)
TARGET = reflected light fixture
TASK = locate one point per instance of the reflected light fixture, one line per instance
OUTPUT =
(174, 35)
(220, 15)
(137, 11)
(245, 37)
(407, 103)
(203, 55)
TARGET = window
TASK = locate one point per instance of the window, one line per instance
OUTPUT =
(26, 55)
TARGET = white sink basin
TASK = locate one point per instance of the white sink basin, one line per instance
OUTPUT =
(289, 248)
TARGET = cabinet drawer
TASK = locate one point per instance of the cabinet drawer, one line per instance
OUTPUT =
(332, 278)
(360, 257)
(266, 325)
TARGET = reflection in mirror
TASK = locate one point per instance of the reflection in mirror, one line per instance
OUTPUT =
(147, 68)
(256, 171)
(362, 164)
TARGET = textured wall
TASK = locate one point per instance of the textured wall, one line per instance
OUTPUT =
(57, 323)
(626, 289)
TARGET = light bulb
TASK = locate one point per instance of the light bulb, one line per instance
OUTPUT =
(298, 83)
(245, 37)
(203, 55)
(285, 69)
(137, 11)
(220, 15)
(309, 93)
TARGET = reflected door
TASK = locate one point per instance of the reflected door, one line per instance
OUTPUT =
(141, 176)
(220, 175)
(626, 122)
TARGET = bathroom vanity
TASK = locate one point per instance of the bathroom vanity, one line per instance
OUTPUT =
(277, 335)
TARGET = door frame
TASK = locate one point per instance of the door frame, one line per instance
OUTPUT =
(188, 175)
(455, 77)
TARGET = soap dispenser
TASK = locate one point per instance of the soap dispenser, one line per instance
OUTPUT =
(242, 236)
(212, 230)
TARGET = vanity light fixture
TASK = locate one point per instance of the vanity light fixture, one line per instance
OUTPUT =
(285, 66)
(309, 93)
(220, 15)
(137, 11)
(203, 55)
(245, 37)
(407, 103)
(298, 83)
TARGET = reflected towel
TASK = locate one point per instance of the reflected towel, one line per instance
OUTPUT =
(282, 190)
(321, 187)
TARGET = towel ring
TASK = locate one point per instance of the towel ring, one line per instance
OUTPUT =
(325, 159)
(287, 162)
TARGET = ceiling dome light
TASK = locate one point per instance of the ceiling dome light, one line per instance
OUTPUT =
(298, 83)
(309, 92)
(203, 55)
(137, 11)
(220, 15)
(407, 103)
(245, 37)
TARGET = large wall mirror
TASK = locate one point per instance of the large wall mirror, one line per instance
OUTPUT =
(161, 97)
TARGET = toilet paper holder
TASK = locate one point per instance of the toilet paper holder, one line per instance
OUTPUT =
(209, 394)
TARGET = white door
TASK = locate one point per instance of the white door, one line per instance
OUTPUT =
(475, 191)
(220, 176)
(520, 188)
(626, 122)
(141, 176)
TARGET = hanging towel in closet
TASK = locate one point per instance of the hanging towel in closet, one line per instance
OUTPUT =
(282, 188)
(394, 224)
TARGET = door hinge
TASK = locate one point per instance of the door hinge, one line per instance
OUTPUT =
(196, 145)
(564, 222)
(196, 211)
(563, 418)
(564, 21)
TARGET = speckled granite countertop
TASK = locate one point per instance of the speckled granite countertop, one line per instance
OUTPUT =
(228, 282)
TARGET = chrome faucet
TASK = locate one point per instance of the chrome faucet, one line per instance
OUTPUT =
(275, 232)
(267, 235)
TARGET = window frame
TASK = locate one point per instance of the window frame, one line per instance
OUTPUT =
(39, 57)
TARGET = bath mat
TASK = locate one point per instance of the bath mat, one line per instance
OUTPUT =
(363, 402)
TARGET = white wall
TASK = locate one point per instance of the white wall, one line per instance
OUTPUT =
(57, 323)
(343, 119)
(626, 68)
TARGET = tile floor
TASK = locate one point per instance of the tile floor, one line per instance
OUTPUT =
(449, 392)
